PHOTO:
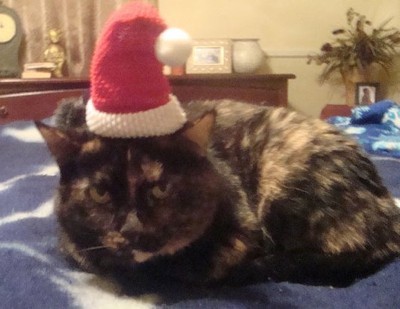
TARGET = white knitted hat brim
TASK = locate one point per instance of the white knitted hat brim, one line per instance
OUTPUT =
(163, 120)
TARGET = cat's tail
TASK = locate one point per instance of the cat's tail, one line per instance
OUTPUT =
(385, 236)
(393, 244)
(342, 269)
(314, 268)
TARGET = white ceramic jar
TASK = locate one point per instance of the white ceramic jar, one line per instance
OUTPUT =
(247, 55)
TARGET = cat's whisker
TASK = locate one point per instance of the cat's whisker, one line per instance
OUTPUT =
(94, 248)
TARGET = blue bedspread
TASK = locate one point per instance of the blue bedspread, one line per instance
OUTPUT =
(33, 274)
(376, 127)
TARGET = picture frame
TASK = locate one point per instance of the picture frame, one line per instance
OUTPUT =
(366, 93)
(210, 56)
(153, 2)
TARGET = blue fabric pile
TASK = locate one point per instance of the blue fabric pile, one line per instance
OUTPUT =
(376, 127)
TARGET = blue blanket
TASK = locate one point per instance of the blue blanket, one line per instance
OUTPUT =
(376, 127)
(33, 274)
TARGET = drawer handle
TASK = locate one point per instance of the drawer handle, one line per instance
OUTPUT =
(3, 112)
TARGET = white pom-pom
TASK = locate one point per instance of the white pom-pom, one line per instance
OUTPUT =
(173, 47)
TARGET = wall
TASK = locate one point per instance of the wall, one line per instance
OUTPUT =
(289, 30)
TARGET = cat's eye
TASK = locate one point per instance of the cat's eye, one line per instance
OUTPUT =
(99, 195)
(161, 191)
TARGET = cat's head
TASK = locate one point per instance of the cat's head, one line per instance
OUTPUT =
(134, 199)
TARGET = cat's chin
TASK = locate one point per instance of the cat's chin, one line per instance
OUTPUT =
(130, 245)
(141, 257)
(168, 249)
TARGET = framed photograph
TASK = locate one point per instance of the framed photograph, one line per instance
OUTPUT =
(366, 93)
(153, 2)
(210, 57)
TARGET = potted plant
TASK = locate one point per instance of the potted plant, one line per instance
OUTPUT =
(355, 49)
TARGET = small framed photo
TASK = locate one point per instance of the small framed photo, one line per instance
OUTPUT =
(366, 93)
(211, 56)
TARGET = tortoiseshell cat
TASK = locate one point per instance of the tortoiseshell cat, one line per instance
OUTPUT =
(240, 193)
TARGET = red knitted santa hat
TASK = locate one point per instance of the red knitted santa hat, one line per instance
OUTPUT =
(130, 96)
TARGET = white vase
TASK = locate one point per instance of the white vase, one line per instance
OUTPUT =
(247, 55)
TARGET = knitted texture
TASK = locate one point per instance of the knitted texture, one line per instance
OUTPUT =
(162, 120)
(127, 78)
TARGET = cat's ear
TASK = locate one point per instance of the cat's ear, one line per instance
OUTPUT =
(61, 145)
(199, 131)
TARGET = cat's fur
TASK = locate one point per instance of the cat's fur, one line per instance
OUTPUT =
(241, 192)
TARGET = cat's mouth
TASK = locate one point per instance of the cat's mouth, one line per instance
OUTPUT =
(141, 246)
(140, 242)
(137, 247)
(130, 238)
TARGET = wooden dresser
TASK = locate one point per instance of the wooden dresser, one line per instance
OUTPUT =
(264, 89)
(22, 98)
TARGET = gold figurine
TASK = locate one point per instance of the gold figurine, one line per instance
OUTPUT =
(55, 53)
